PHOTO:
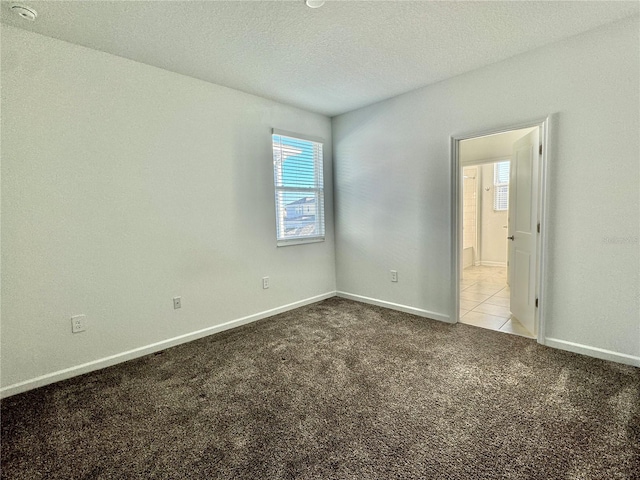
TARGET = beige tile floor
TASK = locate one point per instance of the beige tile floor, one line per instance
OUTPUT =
(484, 300)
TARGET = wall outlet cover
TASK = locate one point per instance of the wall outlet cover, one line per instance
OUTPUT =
(78, 323)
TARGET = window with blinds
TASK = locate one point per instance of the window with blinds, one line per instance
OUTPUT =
(299, 187)
(501, 186)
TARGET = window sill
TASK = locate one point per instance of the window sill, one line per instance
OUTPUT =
(299, 241)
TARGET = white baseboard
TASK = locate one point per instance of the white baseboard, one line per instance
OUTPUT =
(152, 348)
(488, 263)
(396, 306)
(593, 351)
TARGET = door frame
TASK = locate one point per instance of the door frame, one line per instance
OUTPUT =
(544, 125)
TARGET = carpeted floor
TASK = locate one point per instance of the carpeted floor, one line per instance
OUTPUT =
(335, 390)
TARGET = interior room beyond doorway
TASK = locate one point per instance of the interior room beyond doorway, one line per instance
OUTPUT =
(485, 292)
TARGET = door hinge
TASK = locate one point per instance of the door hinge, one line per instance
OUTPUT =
(540, 149)
(536, 303)
(538, 227)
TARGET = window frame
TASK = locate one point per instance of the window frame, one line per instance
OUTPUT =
(499, 186)
(317, 190)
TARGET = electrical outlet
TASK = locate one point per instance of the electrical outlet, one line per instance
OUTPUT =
(177, 302)
(265, 282)
(394, 275)
(78, 323)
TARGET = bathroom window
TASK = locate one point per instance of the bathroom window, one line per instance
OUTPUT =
(299, 188)
(501, 186)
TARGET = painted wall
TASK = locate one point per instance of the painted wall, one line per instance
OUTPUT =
(124, 185)
(493, 242)
(393, 187)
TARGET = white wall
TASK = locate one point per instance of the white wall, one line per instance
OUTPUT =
(124, 185)
(393, 188)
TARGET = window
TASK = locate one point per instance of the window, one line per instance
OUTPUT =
(501, 186)
(297, 174)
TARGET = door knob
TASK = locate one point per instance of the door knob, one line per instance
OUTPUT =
(512, 238)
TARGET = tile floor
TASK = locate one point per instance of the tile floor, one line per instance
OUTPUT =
(484, 300)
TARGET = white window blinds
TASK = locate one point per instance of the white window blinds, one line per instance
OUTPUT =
(501, 186)
(299, 188)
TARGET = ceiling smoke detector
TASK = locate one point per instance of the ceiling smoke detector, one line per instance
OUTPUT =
(25, 12)
(314, 3)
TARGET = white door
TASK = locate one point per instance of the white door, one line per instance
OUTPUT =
(523, 222)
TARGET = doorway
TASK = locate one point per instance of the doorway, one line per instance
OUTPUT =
(484, 284)
(499, 185)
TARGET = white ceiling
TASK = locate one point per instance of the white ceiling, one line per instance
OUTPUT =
(480, 149)
(330, 60)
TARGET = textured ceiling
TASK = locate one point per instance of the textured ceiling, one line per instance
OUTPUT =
(329, 60)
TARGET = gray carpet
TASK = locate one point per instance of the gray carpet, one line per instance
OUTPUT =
(335, 390)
